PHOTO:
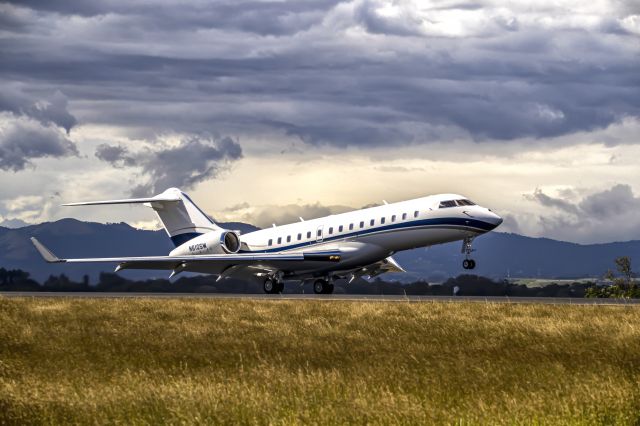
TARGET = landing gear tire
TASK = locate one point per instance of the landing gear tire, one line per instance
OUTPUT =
(272, 287)
(468, 264)
(322, 287)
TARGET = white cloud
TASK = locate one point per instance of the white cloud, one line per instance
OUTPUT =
(631, 23)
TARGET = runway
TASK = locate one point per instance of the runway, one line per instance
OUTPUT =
(331, 297)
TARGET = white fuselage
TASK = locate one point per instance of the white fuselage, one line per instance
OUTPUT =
(347, 245)
(368, 235)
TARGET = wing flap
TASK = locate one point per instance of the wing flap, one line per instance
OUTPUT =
(385, 265)
(189, 262)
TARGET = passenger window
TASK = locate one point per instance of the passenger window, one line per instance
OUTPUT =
(340, 228)
(271, 242)
(393, 218)
(330, 230)
(362, 224)
(288, 238)
(279, 240)
(319, 232)
(404, 216)
(382, 220)
(299, 237)
(351, 227)
(373, 221)
(415, 214)
(309, 234)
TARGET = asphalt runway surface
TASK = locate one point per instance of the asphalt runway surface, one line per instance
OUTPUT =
(332, 297)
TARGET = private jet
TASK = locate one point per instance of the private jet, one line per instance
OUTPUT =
(341, 246)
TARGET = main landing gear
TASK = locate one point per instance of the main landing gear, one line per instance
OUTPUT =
(468, 263)
(322, 286)
(272, 286)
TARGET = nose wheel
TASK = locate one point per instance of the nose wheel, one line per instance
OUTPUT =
(468, 263)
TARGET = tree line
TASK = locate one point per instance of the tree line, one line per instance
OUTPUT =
(621, 283)
(467, 285)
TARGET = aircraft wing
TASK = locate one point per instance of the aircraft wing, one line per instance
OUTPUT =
(197, 263)
(385, 265)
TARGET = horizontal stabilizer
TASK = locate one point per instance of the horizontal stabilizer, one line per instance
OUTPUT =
(45, 252)
(126, 201)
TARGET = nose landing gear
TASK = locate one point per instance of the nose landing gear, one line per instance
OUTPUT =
(467, 263)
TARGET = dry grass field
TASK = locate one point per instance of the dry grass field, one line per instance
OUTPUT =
(150, 361)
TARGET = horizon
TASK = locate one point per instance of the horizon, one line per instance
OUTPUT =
(266, 111)
(160, 229)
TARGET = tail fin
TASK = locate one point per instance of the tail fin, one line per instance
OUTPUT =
(181, 218)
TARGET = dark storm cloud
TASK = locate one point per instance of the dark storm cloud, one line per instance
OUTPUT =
(606, 215)
(23, 140)
(116, 155)
(47, 110)
(549, 201)
(194, 160)
(327, 73)
(615, 201)
(259, 17)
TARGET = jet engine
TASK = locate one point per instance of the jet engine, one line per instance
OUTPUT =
(215, 242)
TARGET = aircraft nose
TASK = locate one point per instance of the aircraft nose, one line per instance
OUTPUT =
(494, 219)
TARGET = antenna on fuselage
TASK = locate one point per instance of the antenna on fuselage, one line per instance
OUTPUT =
(301, 219)
(274, 225)
(385, 202)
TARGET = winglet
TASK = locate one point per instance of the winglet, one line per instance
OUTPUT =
(45, 252)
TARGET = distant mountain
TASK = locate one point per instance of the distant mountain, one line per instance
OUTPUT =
(73, 238)
(498, 255)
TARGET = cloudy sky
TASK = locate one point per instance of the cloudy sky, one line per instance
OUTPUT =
(269, 110)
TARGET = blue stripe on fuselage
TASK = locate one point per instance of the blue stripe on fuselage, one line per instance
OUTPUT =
(445, 222)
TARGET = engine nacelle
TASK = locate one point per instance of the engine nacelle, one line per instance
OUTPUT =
(214, 242)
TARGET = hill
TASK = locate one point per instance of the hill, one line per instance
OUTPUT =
(498, 254)
(74, 238)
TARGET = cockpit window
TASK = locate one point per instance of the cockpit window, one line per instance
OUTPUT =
(454, 203)
(448, 203)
